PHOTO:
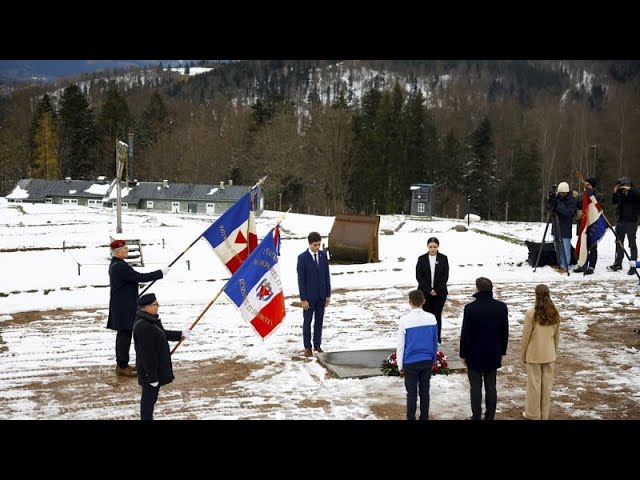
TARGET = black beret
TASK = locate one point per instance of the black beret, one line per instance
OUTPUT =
(147, 299)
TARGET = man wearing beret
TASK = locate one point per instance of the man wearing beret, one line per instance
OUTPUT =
(122, 302)
(153, 358)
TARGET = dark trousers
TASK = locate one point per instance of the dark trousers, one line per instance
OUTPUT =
(629, 229)
(491, 395)
(123, 344)
(435, 305)
(592, 258)
(147, 401)
(417, 378)
(316, 309)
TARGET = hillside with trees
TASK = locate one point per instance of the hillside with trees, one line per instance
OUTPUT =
(339, 136)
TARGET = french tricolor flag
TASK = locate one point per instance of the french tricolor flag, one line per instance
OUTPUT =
(256, 288)
(593, 226)
(233, 236)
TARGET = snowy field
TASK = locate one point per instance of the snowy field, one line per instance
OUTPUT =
(57, 357)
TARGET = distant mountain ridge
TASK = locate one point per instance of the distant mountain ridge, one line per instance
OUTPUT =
(50, 70)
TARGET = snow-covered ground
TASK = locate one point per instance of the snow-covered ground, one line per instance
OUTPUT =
(54, 301)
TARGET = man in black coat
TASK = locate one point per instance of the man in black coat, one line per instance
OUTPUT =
(483, 343)
(627, 198)
(122, 303)
(153, 358)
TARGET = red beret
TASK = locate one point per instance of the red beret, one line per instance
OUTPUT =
(117, 244)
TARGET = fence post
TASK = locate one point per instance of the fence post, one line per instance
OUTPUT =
(189, 265)
(63, 245)
(78, 269)
(163, 243)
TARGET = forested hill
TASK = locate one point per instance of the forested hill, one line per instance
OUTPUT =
(340, 135)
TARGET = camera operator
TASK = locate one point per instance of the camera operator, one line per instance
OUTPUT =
(563, 207)
(628, 200)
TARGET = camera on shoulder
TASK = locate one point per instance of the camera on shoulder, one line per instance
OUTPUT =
(622, 182)
(553, 191)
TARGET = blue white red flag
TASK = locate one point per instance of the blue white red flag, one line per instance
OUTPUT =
(256, 288)
(593, 226)
(233, 236)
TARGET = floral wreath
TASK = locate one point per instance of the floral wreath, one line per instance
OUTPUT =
(389, 365)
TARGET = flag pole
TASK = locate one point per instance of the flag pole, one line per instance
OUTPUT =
(200, 316)
(257, 184)
(174, 261)
(618, 241)
(219, 292)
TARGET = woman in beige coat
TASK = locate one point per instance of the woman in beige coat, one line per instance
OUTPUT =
(540, 340)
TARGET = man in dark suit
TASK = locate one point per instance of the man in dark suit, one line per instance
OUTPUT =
(483, 343)
(314, 284)
(122, 304)
(432, 274)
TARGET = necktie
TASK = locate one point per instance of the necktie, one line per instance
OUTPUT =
(315, 258)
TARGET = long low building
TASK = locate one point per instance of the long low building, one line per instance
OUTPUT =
(155, 196)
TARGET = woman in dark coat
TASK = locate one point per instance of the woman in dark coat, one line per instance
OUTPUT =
(432, 273)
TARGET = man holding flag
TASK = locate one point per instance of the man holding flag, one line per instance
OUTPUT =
(593, 226)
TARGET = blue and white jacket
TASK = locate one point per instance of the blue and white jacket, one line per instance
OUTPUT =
(417, 337)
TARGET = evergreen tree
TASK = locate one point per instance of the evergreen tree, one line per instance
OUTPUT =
(45, 163)
(155, 122)
(114, 122)
(388, 130)
(480, 176)
(368, 166)
(44, 106)
(77, 138)
(416, 142)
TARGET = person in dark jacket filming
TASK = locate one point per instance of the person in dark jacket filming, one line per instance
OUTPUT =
(627, 199)
(153, 358)
(123, 280)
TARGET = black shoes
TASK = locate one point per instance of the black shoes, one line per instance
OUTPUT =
(578, 270)
(632, 271)
(588, 271)
(614, 267)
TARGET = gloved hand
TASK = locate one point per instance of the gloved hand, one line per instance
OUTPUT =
(154, 384)
(165, 271)
(186, 334)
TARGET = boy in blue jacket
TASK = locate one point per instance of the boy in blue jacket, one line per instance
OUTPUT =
(416, 352)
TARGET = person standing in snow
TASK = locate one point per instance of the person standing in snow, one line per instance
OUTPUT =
(123, 280)
(592, 258)
(314, 286)
(540, 341)
(153, 358)
(432, 273)
(483, 342)
(416, 352)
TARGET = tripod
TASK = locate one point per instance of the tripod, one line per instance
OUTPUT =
(552, 217)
